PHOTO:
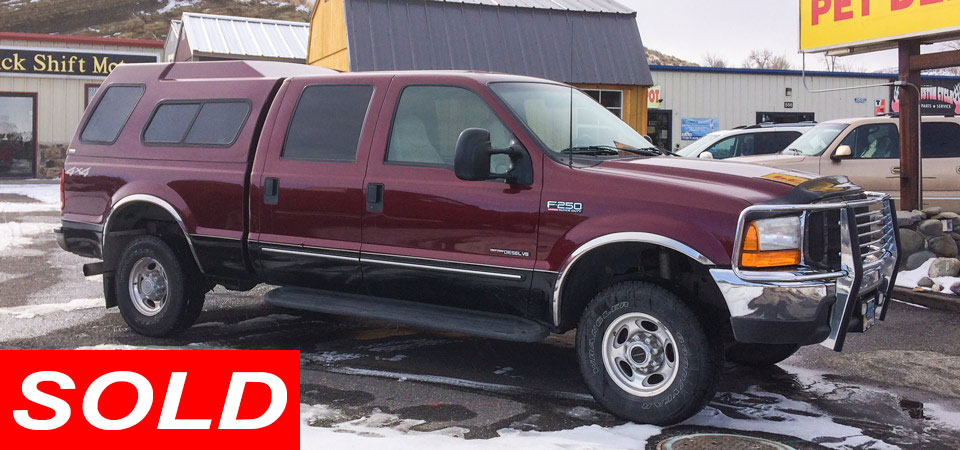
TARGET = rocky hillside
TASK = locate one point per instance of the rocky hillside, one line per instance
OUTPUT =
(149, 19)
(140, 19)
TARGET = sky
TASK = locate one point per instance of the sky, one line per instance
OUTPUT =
(691, 29)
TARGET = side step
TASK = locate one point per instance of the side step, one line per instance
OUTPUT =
(422, 315)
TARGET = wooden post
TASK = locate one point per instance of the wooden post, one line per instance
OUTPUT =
(911, 196)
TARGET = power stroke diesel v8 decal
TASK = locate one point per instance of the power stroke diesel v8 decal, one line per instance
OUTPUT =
(567, 207)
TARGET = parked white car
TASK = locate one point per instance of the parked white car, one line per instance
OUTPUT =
(763, 139)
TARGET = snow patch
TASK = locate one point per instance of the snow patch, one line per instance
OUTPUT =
(11, 207)
(44, 193)
(910, 278)
(388, 431)
(192, 346)
(327, 358)
(175, 4)
(32, 311)
(17, 234)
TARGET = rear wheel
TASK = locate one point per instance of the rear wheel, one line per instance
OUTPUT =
(645, 356)
(156, 295)
(760, 355)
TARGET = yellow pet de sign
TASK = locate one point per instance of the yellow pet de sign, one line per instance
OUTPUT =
(832, 24)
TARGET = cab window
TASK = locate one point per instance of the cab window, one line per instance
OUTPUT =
(429, 120)
(940, 139)
(874, 141)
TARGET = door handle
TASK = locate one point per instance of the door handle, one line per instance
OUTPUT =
(271, 191)
(375, 197)
(895, 170)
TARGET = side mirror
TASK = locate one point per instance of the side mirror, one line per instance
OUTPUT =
(842, 152)
(474, 155)
(705, 155)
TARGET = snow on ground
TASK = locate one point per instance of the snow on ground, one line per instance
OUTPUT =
(10, 207)
(910, 278)
(32, 311)
(46, 192)
(18, 234)
(174, 4)
(387, 431)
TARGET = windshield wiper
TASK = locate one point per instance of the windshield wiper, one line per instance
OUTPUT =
(609, 150)
(792, 151)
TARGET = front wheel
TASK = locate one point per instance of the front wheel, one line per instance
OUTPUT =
(645, 356)
(155, 294)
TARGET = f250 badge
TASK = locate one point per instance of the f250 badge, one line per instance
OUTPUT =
(567, 207)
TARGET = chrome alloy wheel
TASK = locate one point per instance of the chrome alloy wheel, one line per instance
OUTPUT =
(148, 286)
(640, 354)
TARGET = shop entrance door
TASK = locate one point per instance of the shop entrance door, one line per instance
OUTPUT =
(660, 128)
(18, 134)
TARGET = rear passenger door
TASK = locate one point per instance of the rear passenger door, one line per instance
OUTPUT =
(431, 237)
(306, 203)
(875, 159)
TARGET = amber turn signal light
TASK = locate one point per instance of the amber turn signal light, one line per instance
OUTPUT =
(752, 257)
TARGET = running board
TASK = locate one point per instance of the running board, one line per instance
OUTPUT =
(423, 315)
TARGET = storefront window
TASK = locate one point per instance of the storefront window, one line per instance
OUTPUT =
(610, 99)
(18, 135)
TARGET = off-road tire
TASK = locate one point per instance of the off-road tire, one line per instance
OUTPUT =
(760, 355)
(698, 354)
(185, 294)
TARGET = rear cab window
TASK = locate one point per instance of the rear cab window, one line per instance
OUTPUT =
(201, 123)
(111, 114)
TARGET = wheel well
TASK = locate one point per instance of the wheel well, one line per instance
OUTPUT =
(625, 261)
(139, 218)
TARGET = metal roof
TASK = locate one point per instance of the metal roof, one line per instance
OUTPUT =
(563, 45)
(245, 37)
(604, 6)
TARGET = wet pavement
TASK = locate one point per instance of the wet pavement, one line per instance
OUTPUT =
(893, 387)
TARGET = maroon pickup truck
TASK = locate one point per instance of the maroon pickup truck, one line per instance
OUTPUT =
(501, 206)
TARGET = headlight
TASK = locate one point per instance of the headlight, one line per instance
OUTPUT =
(772, 243)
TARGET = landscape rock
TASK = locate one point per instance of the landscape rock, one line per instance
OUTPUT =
(917, 259)
(931, 227)
(943, 246)
(910, 241)
(955, 236)
(908, 218)
(925, 282)
(945, 267)
(955, 288)
(920, 213)
(932, 211)
(946, 215)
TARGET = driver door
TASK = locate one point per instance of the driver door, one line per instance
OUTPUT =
(429, 236)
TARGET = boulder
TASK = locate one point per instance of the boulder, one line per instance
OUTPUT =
(946, 215)
(931, 227)
(932, 211)
(955, 288)
(943, 246)
(917, 259)
(925, 282)
(920, 213)
(955, 236)
(910, 241)
(945, 267)
(908, 218)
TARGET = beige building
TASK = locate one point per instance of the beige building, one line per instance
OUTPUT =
(46, 82)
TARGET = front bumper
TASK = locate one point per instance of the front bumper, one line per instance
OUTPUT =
(807, 306)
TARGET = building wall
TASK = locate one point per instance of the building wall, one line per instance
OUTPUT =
(735, 98)
(634, 103)
(328, 36)
(60, 101)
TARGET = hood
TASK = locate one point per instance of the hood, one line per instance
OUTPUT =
(749, 183)
(773, 159)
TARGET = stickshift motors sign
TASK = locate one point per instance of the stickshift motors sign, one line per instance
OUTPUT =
(156, 398)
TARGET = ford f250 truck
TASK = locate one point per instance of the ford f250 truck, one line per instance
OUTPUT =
(495, 205)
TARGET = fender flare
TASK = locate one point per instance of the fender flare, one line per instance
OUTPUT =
(613, 238)
(157, 201)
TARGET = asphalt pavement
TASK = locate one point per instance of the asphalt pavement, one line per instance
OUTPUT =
(893, 387)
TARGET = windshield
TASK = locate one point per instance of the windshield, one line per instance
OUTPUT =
(693, 150)
(815, 141)
(546, 111)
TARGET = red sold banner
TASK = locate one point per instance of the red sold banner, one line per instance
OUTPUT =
(150, 399)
